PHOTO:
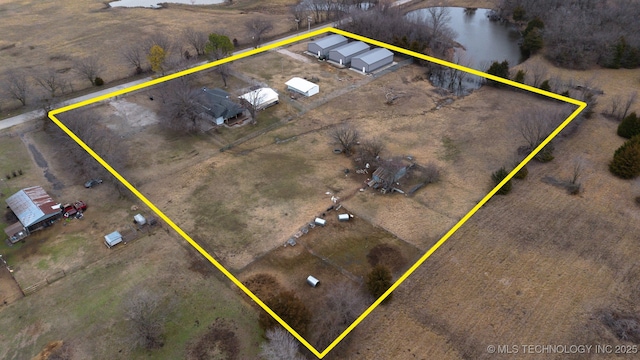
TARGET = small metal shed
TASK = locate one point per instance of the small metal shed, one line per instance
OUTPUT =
(302, 86)
(344, 217)
(372, 60)
(139, 219)
(313, 282)
(344, 53)
(320, 221)
(322, 46)
(112, 239)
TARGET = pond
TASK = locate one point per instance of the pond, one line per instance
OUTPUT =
(484, 41)
(155, 4)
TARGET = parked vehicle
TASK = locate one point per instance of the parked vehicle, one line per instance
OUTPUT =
(74, 210)
(69, 210)
(93, 182)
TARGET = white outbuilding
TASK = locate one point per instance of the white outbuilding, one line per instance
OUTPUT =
(112, 239)
(261, 98)
(302, 86)
(321, 47)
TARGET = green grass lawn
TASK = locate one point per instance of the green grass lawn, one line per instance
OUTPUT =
(86, 308)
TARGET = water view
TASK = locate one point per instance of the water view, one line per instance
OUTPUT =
(483, 41)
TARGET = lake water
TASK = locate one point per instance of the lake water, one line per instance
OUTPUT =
(155, 4)
(484, 41)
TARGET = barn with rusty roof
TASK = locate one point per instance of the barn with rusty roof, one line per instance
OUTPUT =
(34, 208)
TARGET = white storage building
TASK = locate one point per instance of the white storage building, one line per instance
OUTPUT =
(261, 98)
(302, 86)
(343, 54)
(322, 46)
(112, 239)
(372, 60)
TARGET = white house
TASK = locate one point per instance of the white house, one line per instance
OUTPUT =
(302, 86)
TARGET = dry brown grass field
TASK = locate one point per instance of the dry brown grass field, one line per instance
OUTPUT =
(535, 267)
(39, 35)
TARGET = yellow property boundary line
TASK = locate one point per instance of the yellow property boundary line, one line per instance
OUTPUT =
(52, 115)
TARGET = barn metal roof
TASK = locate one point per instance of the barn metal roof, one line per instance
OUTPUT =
(329, 41)
(351, 48)
(374, 55)
(32, 205)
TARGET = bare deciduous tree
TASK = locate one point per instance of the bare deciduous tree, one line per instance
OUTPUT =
(89, 68)
(180, 107)
(146, 319)
(17, 86)
(52, 82)
(89, 128)
(370, 152)
(135, 55)
(538, 73)
(536, 125)
(344, 302)
(347, 136)
(197, 39)
(257, 29)
(280, 345)
(252, 102)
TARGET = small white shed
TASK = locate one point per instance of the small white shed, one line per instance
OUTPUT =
(302, 86)
(139, 219)
(112, 239)
(312, 281)
(344, 217)
(320, 221)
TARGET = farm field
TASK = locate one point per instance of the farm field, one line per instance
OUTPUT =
(535, 267)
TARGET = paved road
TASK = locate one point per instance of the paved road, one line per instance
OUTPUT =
(36, 114)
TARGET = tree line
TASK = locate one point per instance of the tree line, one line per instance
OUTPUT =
(579, 33)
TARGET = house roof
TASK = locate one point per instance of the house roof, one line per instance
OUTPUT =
(32, 205)
(260, 96)
(329, 41)
(300, 84)
(351, 48)
(217, 104)
(374, 55)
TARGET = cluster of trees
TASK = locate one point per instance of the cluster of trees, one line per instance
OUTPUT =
(430, 34)
(99, 138)
(579, 34)
(27, 88)
(626, 159)
(307, 12)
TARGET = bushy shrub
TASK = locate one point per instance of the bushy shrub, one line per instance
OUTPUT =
(519, 76)
(532, 42)
(626, 159)
(290, 308)
(500, 69)
(630, 126)
(545, 86)
(379, 281)
(497, 177)
(522, 173)
(519, 13)
(98, 81)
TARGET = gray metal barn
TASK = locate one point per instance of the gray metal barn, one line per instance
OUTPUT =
(372, 60)
(321, 47)
(343, 54)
